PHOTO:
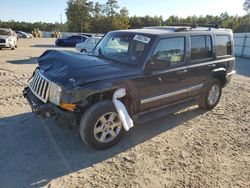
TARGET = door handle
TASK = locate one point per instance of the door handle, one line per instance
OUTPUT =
(211, 65)
(181, 72)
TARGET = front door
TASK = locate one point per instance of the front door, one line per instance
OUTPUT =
(162, 87)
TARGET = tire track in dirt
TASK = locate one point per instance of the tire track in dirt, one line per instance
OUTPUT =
(11, 86)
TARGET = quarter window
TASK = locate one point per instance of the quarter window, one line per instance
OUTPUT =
(223, 45)
(201, 47)
(170, 50)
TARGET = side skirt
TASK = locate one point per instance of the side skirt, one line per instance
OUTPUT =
(163, 111)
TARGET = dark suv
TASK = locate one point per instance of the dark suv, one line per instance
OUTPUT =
(132, 75)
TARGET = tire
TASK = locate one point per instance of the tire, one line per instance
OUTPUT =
(13, 48)
(99, 118)
(211, 97)
(83, 51)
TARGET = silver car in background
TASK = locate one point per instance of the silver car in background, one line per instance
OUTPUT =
(88, 45)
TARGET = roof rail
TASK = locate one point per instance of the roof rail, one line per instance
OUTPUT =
(186, 27)
(215, 25)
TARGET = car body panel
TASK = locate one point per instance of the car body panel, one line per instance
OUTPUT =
(88, 45)
(83, 76)
(70, 41)
(7, 38)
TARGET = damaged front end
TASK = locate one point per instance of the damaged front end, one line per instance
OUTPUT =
(44, 99)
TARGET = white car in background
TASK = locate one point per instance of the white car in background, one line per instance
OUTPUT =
(22, 34)
(8, 39)
(88, 45)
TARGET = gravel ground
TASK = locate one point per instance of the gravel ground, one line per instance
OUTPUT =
(190, 148)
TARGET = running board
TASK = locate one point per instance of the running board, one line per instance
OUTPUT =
(163, 111)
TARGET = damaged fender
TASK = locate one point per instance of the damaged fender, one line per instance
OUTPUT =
(127, 122)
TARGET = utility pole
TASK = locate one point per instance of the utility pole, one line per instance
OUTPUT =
(61, 18)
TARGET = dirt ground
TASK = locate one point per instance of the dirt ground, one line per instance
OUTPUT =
(190, 148)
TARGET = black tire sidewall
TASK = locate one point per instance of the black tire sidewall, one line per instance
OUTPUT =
(87, 123)
(211, 84)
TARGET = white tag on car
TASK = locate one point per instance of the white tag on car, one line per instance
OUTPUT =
(142, 38)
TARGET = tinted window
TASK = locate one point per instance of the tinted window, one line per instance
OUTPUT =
(201, 47)
(171, 50)
(223, 45)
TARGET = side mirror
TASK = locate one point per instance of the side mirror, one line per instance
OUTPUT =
(156, 65)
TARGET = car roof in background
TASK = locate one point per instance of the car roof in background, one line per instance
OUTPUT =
(79, 36)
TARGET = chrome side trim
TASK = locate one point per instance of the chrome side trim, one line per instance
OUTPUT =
(163, 96)
(232, 72)
(194, 65)
(165, 106)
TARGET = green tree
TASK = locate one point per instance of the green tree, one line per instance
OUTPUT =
(111, 7)
(246, 6)
(78, 14)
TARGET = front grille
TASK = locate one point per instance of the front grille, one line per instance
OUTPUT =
(2, 40)
(40, 86)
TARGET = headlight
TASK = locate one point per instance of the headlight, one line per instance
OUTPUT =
(55, 93)
(9, 39)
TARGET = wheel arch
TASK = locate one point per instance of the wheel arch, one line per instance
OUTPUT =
(108, 95)
(220, 74)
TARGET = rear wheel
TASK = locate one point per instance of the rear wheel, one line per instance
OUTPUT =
(210, 98)
(83, 50)
(100, 126)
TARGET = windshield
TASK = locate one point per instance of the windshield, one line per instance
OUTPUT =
(4, 32)
(123, 47)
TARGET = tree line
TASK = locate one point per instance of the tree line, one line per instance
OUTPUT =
(87, 16)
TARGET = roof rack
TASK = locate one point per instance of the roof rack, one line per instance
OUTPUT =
(186, 27)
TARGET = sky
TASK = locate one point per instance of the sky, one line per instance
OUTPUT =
(50, 10)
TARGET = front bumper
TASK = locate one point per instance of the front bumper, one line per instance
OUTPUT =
(5, 45)
(43, 110)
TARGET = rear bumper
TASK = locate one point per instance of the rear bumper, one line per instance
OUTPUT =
(48, 110)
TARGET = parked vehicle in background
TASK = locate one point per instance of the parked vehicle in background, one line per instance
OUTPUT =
(87, 34)
(132, 76)
(88, 45)
(71, 41)
(8, 39)
(56, 34)
(22, 34)
(16, 35)
(37, 33)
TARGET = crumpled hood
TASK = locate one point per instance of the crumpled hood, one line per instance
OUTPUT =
(71, 69)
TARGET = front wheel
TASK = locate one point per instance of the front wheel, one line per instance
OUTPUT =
(210, 98)
(100, 126)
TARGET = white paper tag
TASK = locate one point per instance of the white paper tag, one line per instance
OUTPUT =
(142, 39)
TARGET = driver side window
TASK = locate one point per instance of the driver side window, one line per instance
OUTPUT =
(170, 50)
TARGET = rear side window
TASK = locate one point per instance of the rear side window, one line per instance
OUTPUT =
(171, 50)
(201, 47)
(91, 41)
(223, 45)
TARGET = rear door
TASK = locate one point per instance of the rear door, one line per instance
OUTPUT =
(201, 59)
